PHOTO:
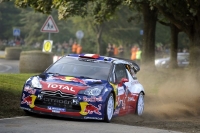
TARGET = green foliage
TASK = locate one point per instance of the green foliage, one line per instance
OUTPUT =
(9, 16)
(10, 93)
(163, 34)
(120, 24)
(13, 82)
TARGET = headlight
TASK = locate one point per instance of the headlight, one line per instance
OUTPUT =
(35, 83)
(92, 91)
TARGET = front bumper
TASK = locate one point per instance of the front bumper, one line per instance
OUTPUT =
(83, 107)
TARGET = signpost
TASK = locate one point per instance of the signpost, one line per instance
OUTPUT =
(16, 32)
(47, 45)
(50, 27)
(79, 35)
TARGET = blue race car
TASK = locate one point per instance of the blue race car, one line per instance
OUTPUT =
(85, 86)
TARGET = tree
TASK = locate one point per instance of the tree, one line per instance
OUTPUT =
(186, 16)
(102, 10)
(8, 12)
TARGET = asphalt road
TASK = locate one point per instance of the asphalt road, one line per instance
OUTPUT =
(8, 66)
(30, 124)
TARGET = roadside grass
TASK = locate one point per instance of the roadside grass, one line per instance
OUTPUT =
(10, 93)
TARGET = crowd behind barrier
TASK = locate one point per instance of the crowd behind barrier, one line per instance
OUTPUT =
(132, 52)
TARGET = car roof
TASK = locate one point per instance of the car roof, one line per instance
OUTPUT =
(100, 58)
(107, 59)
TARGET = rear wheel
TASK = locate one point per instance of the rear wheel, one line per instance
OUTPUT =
(109, 108)
(140, 104)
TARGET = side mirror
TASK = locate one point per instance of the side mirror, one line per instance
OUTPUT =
(42, 75)
(123, 80)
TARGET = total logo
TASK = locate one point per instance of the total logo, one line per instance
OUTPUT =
(61, 87)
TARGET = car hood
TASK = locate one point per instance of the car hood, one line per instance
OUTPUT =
(67, 84)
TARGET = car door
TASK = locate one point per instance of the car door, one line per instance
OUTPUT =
(134, 88)
(120, 78)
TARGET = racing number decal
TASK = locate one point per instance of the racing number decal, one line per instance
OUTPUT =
(47, 46)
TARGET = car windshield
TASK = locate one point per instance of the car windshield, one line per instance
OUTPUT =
(75, 67)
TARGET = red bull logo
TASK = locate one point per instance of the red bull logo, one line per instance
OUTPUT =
(29, 100)
(77, 80)
(71, 79)
(89, 109)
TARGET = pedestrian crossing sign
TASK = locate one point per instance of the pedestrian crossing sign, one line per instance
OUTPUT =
(50, 26)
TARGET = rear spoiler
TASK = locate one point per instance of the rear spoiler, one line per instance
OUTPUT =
(136, 67)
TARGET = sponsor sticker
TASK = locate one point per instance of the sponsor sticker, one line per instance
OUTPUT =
(121, 91)
(56, 109)
(131, 99)
(94, 118)
(89, 109)
(62, 87)
(92, 99)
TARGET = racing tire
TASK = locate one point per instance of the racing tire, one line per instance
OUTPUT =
(109, 108)
(140, 104)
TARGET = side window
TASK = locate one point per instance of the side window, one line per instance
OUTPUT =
(120, 72)
(131, 71)
(133, 74)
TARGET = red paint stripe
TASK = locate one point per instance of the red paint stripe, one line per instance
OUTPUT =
(64, 113)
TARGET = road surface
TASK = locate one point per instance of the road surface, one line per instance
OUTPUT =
(36, 124)
(8, 66)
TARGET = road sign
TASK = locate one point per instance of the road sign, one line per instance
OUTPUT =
(49, 26)
(47, 45)
(79, 34)
(16, 32)
(141, 32)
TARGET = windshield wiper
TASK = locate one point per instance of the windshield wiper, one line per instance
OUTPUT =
(85, 77)
(54, 74)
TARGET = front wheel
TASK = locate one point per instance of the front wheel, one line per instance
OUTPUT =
(109, 108)
(140, 104)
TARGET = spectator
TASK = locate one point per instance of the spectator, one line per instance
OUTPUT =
(59, 48)
(133, 52)
(79, 49)
(138, 55)
(185, 50)
(65, 46)
(121, 51)
(110, 50)
(115, 48)
(74, 47)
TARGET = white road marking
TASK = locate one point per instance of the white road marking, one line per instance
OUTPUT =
(7, 68)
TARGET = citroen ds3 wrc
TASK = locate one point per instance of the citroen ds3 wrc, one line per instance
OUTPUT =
(85, 86)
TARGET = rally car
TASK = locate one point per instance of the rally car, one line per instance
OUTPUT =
(85, 86)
